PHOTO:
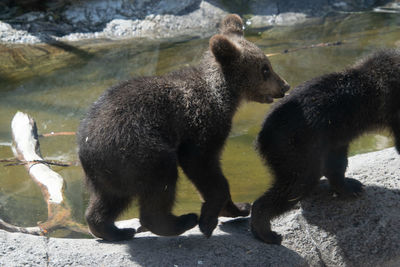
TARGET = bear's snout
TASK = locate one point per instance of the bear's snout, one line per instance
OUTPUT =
(285, 88)
(281, 90)
(279, 86)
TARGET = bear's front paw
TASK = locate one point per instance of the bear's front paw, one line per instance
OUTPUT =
(207, 225)
(236, 210)
(267, 236)
(352, 188)
(109, 232)
(125, 234)
(119, 234)
(188, 221)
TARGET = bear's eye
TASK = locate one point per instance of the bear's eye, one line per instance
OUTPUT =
(265, 72)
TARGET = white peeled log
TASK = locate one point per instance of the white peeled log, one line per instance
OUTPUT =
(26, 148)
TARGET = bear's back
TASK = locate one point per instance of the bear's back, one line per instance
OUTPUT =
(336, 107)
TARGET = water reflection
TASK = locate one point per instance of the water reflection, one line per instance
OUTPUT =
(57, 90)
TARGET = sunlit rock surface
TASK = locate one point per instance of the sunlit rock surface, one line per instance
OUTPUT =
(321, 231)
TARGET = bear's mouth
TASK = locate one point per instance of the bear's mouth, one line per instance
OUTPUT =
(269, 99)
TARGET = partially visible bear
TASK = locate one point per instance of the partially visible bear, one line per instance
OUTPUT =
(307, 134)
(138, 132)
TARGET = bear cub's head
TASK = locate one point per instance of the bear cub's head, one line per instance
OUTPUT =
(244, 64)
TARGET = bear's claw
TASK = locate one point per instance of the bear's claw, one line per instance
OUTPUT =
(236, 210)
(207, 226)
(114, 234)
(352, 189)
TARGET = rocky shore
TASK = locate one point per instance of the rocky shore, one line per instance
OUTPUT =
(33, 21)
(321, 231)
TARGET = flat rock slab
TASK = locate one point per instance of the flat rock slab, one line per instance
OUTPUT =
(321, 231)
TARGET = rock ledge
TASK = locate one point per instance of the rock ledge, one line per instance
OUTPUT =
(321, 231)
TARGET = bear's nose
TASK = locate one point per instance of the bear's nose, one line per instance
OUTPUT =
(285, 88)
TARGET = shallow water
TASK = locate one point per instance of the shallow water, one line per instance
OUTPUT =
(57, 90)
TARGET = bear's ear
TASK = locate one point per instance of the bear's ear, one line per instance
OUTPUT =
(232, 24)
(223, 49)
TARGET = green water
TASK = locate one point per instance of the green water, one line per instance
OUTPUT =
(57, 88)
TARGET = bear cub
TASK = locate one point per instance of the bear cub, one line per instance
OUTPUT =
(307, 134)
(137, 133)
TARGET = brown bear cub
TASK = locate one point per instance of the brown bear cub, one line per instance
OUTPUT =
(138, 132)
(307, 135)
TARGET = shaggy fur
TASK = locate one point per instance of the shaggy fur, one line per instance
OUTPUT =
(307, 134)
(138, 132)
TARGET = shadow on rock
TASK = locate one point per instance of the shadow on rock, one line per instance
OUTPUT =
(236, 225)
(365, 230)
(238, 249)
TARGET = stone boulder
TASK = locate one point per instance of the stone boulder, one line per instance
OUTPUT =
(321, 231)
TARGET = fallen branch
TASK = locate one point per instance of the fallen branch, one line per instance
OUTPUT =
(57, 134)
(13, 229)
(26, 149)
(16, 162)
(307, 47)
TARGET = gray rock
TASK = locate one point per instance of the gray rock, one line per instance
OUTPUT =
(321, 231)
(117, 19)
(22, 250)
(361, 232)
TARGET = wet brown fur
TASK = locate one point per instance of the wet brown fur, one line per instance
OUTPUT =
(307, 134)
(137, 133)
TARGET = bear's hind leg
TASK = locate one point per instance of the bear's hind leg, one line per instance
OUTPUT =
(156, 216)
(281, 197)
(101, 214)
(334, 170)
(157, 199)
(395, 125)
(205, 173)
